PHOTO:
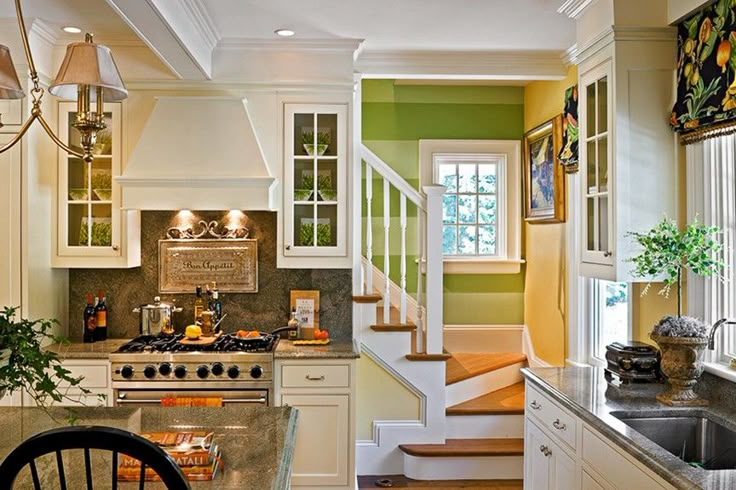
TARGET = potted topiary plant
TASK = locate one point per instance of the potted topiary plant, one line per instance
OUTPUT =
(667, 253)
(26, 365)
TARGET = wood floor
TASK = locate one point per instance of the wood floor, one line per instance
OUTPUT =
(400, 481)
(462, 366)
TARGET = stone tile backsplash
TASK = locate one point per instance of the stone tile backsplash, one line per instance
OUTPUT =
(265, 310)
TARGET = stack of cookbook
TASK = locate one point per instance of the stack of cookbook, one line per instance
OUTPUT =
(196, 453)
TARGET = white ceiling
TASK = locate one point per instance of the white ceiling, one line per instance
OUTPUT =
(475, 25)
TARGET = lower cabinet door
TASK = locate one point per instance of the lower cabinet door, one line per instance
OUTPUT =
(536, 462)
(589, 483)
(562, 470)
(321, 452)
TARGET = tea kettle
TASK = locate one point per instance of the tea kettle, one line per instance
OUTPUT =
(156, 318)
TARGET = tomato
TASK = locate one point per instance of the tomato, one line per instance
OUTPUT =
(321, 335)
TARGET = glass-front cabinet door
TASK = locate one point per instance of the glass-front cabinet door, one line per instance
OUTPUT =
(315, 180)
(597, 205)
(89, 203)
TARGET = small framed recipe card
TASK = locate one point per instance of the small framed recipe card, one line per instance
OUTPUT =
(307, 307)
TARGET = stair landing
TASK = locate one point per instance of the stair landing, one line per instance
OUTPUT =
(506, 401)
(462, 366)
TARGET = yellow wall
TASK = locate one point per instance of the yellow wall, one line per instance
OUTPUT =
(545, 293)
(381, 397)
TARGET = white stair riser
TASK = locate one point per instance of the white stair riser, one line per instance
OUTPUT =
(484, 426)
(464, 468)
(483, 383)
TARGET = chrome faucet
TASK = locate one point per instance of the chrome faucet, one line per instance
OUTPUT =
(716, 326)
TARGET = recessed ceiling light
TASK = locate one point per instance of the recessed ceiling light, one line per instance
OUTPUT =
(284, 32)
(71, 29)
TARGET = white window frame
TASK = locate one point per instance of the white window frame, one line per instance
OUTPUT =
(711, 172)
(501, 190)
(507, 260)
(593, 305)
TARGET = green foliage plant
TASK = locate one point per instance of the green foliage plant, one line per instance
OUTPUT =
(667, 252)
(26, 365)
(323, 137)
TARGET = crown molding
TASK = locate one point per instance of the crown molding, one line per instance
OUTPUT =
(201, 20)
(644, 33)
(44, 32)
(573, 8)
(483, 65)
(235, 88)
(570, 56)
(337, 44)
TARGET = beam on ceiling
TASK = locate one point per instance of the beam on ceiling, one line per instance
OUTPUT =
(180, 33)
(468, 65)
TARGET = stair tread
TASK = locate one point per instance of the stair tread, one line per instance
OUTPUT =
(467, 447)
(368, 298)
(465, 365)
(428, 357)
(393, 327)
(507, 401)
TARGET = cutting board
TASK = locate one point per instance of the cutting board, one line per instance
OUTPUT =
(201, 340)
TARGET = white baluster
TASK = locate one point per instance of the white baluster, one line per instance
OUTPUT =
(402, 280)
(420, 337)
(369, 229)
(386, 251)
(434, 268)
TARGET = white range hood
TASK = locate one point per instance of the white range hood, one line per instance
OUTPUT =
(197, 153)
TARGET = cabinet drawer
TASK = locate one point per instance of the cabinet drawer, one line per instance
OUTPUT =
(554, 419)
(613, 466)
(315, 376)
(95, 375)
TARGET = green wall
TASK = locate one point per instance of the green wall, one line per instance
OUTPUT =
(395, 118)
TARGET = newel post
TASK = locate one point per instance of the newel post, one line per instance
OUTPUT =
(434, 268)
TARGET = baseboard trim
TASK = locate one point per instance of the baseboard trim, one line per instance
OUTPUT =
(531, 356)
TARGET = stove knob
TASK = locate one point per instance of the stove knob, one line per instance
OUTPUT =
(203, 371)
(149, 371)
(218, 369)
(233, 372)
(256, 372)
(164, 369)
(126, 372)
(180, 371)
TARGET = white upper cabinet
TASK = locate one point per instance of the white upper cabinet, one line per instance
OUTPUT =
(91, 228)
(629, 170)
(315, 187)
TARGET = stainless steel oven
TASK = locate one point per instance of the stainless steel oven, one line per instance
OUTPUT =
(160, 370)
(148, 396)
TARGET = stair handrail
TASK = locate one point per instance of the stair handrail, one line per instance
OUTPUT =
(394, 178)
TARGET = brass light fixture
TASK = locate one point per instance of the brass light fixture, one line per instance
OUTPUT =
(87, 74)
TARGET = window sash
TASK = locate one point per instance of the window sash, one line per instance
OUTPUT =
(476, 159)
(595, 305)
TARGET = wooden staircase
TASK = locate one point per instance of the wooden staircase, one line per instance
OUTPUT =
(484, 433)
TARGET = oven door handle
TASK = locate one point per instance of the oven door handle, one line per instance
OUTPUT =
(262, 400)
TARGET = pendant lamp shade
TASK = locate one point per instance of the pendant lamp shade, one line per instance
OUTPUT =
(9, 84)
(91, 64)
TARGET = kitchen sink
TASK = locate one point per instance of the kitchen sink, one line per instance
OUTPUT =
(695, 439)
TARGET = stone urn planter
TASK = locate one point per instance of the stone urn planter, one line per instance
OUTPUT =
(682, 363)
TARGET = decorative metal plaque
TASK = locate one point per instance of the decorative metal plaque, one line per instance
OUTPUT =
(185, 264)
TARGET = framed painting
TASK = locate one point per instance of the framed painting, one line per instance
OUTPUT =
(544, 176)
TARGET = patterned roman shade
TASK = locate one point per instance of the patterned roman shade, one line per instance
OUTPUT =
(706, 73)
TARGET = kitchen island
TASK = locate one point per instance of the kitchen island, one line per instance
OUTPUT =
(257, 443)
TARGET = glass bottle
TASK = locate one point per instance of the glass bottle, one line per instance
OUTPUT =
(90, 320)
(198, 306)
(101, 316)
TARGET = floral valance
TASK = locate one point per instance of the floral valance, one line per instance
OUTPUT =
(706, 72)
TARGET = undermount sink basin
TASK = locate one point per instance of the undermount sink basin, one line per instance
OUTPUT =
(695, 439)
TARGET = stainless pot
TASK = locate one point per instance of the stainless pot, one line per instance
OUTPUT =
(156, 318)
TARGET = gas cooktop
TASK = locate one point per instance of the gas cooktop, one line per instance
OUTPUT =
(225, 343)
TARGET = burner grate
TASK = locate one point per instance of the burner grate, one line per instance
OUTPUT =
(225, 343)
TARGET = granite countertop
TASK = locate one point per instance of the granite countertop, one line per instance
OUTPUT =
(92, 350)
(333, 350)
(585, 392)
(257, 442)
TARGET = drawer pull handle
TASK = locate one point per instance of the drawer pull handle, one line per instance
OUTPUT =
(535, 405)
(558, 425)
(545, 450)
(315, 378)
